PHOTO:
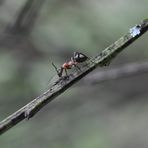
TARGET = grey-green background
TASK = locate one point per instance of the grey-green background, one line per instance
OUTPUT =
(113, 114)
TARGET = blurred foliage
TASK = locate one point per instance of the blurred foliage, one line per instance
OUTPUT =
(109, 115)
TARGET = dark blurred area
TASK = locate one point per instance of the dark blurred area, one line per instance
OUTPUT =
(34, 33)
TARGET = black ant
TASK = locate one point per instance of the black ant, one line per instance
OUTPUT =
(77, 58)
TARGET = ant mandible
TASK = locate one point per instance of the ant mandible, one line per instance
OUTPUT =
(78, 57)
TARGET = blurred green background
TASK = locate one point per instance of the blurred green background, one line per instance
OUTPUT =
(34, 33)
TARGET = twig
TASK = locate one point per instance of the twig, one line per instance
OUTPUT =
(59, 86)
(27, 16)
(124, 71)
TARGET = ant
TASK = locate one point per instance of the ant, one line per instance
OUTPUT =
(77, 58)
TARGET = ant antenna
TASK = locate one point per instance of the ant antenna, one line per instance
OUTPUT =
(55, 67)
(59, 71)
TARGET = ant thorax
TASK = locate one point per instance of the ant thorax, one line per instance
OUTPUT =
(67, 65)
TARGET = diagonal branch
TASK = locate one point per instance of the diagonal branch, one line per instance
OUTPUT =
(59, 86)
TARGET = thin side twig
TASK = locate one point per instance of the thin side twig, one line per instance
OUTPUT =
(119, 72)
(59, 86)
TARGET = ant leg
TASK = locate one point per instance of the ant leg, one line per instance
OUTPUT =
(77, 67)
(66, 72)
(59, 71)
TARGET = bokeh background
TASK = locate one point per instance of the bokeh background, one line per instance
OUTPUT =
(91, 114)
